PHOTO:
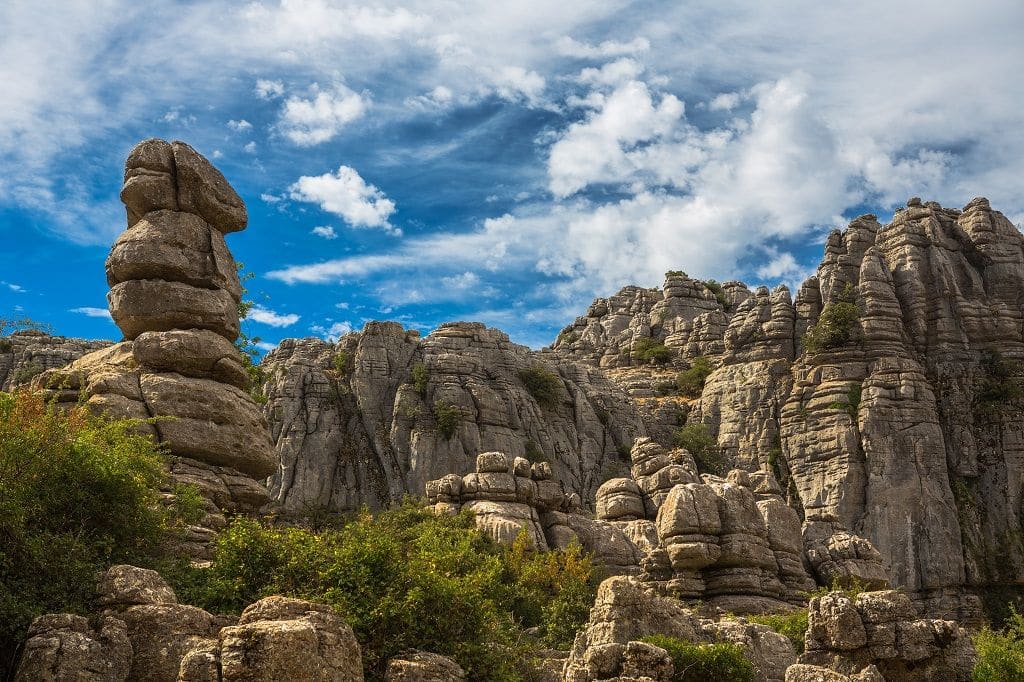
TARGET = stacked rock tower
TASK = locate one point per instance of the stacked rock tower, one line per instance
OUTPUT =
(175, 295)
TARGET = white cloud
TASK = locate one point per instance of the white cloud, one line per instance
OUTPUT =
(333, 332)
(467, 280)
(726, 101)
(270, 198)
(16, 288)
(265, 346)
(250, 148)
(239, 126)
(515, 82)
(92, 312)
(325, 231)
(612, 73)
(308, 122)
(569, 47)
(266, 316)
(268, 89)
(345, 194)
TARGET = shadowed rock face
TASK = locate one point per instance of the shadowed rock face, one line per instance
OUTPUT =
(912, 433)
(354, 425)
(175, 294)
(26, 354)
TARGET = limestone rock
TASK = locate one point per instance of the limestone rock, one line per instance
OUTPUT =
(197, 353)
(123, 585)
(26, 354)
(145, 305)
(278, 638)
(161, 635)
(423, 666)
(203, 190)
(63, 647)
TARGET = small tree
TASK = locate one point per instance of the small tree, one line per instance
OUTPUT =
(838, 324)
(651, 351)
(716, 288)
(691, 381)
(544, 385)
(697, 439)
(447, 417)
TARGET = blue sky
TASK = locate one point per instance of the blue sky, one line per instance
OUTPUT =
(502, 162)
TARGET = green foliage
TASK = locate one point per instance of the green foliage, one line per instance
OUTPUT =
(78, 493)
(447, 417)
(408, 579)
(837, 325)
(544, 385)
(26, 372)
(1000, 652)
(248, 346)
(420, 377)
(792, 625)
(534, 453)
(852, 404)
(6, 346)
(704, 662)
(716, 288)
(702, 445)
(675, 273)
(341, 362)
(1000, 386)
(651, 351)
(691, 381)
(568, 337)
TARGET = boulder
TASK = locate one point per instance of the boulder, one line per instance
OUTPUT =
(64, 647)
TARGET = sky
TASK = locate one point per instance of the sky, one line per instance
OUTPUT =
(506, 163)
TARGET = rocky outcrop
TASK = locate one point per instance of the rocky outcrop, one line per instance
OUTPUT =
(902, 421)
(423, 666)
(175, 294)
(882, 630)
(144, 634)
(380, 413)
(26, 354)
(626, 611)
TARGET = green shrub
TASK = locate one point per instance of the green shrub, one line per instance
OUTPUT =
(792, 625)
(568, 337)
(447, 417)
(838, 324)
(704, 662)
(675, 273)
(702, 445)
(341, 362)
(999, 387)
(716, 288)
(78, 493)
(852, 404)
(420, 377)
(6, 346)
(544, 385)
(1000, 652)
(408, 579)
(691, 381)
(27, 372)
(534, 453)
(651, 351)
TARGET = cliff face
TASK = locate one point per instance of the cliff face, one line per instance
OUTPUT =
(26, 354)
(903, 419)
(382, 412)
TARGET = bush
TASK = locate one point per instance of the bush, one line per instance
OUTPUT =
(27, 372)
(837, 325)
(78, 493)
(408, 579)
(852, 404)
(341, 362)
(702, 445)
(544, 385)
(420, 377)
(534, 453)
(792, 625)
(675, 273)
(651, 351)
(704, 662)
(716, 288)
(999, 387)
(1000, 653)
(447, 417)
(6, 346)
(691, 381)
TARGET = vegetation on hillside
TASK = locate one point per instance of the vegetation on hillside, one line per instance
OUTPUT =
(651, 351)
(78, 493)
(837, 326)
(697, 439)
(690, 382)
(1000, 652)
(704, 662)
(544, 385)
(407, 578)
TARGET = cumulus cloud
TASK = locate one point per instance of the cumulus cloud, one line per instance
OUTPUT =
(268, 89)
(308, 122)
(263, 315)
(515, 82)
(240, 126)
(89, 311)
(345, 194)
(612, 73)
(332, 332)
(325, 231)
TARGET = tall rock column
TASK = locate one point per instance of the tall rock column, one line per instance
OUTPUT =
(175, 294)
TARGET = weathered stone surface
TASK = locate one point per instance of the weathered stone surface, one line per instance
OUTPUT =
(148, 305)
(278, 638)
(620, 499)
(161, 635)
(176, 247)
(62, 647)
(202, 190)
(423, 666)
(123, 585)
(149, 180)
(195, 353)
(838, 557)
(26, 354)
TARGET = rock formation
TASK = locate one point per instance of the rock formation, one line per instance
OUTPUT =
(145, 634)
(902, 423)
(380, 413)
(175, 294)
(26, 354)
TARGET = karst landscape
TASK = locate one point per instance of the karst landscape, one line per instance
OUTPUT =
(824, 486)
(455, 469)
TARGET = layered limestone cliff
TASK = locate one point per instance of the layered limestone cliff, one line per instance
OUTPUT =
(380, 413)
(26, 354)
(902, 421)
